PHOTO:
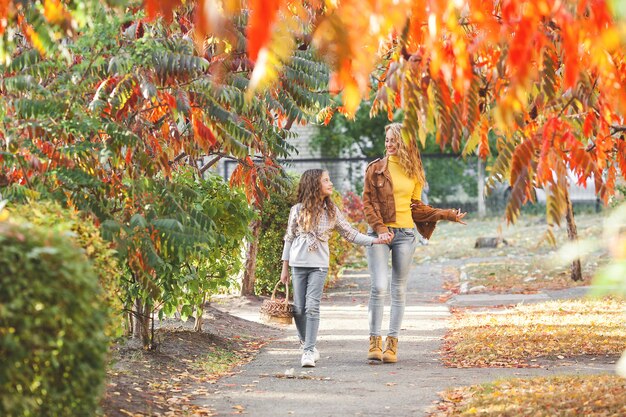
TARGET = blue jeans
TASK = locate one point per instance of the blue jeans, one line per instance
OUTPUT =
(308, 284)
(401, 249)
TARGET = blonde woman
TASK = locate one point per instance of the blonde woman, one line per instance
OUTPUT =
(306, 251)
(391, 195)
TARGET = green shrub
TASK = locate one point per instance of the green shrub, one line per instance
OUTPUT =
(52, 340)
(86, 235)
(273, 227)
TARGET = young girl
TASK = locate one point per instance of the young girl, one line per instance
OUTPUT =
(306, 250)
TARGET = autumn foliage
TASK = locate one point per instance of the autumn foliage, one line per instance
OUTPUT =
(545, 77)
(197, 82)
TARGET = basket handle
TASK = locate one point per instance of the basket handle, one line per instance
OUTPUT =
(286, 291)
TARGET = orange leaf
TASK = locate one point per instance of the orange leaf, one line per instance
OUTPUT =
(570, 59)
(351, 98)
(4, 13)
(54, 12)
(483, 147)
(329, 116)
(621, 155)
(163, 8)
(34, 38)
(202, 134)
(262, 16)
(129, 156)
(334, 83)
(589, 123)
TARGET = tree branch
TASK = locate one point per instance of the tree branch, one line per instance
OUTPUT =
(210, 164)
(178, 158)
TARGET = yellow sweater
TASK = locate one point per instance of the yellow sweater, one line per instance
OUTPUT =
(404, 190)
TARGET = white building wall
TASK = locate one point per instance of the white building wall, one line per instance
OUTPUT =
(346, 176)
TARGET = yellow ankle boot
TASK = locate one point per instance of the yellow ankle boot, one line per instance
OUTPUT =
(390, 355)
(376, 349)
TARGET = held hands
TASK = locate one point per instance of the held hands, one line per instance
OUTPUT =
(384, 238)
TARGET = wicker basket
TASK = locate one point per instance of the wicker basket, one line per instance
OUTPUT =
(277, 311)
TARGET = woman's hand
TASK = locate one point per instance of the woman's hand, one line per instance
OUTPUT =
(384, 238)
(459, 216)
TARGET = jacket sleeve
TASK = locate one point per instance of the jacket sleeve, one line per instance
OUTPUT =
(424, 213)
(426, 217)
(373, 217)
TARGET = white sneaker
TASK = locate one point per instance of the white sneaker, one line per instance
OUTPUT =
(308, 359)
(316, 353)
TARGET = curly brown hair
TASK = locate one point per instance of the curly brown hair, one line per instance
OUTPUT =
(409, 155)
(309, 193)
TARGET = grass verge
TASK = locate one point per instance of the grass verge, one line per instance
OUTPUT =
(564, 396)
(519, 275)
(527, 264)
(518, 336)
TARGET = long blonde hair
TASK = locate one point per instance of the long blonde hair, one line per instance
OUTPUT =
(408, 154)
(309, 192)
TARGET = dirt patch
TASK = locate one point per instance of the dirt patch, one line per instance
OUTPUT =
(164, 382)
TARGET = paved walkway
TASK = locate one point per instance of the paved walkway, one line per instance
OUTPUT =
(343, 383)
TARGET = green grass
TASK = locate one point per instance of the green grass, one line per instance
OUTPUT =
(218, 361)
(527, 264)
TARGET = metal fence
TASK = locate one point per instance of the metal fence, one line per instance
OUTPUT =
(453, 181)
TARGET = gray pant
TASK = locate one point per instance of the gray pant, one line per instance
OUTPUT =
(308, 285)
(401, 249)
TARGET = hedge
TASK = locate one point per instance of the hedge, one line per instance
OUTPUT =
(52, 340)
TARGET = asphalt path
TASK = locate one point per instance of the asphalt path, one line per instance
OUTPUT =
(344, 383)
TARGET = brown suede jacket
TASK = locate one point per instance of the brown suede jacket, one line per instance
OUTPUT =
(380, 206)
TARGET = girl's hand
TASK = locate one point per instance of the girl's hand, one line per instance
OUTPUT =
(459, 216)
(384, 238)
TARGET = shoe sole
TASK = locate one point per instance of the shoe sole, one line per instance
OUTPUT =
(307, 365)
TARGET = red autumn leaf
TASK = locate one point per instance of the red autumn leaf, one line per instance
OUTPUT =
(165, 8)
(571, 59)
(329, 116)
(4, 12)
(129, 156)
(202, 134)
(262, 16)
(334, 84)
(590, 121)
(483, 147)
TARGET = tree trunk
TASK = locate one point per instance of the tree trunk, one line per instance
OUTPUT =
(141, 323)
(481, 189)
(128, 318)
(247, 285)
(197, 327)
(572, 234)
